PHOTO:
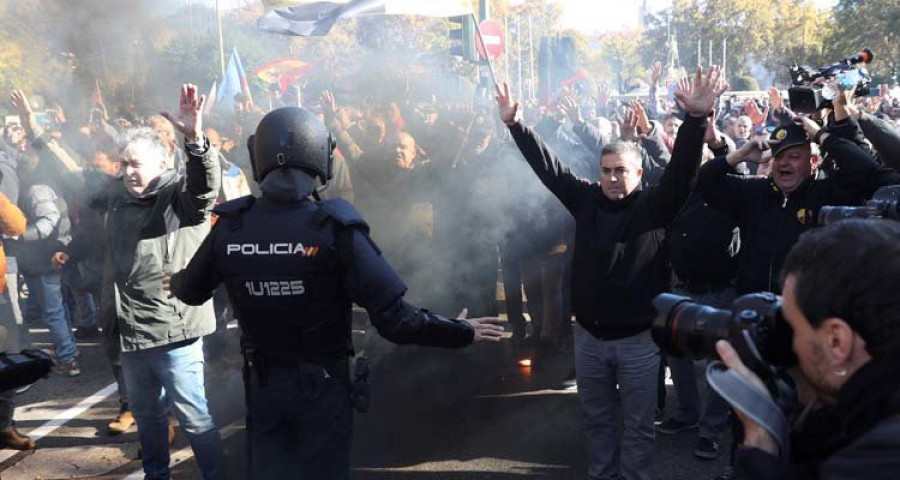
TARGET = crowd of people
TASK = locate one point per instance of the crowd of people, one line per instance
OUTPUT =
(691, 192)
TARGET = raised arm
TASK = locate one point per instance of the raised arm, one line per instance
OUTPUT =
(203, 174)
(675, 185)
(553, 174)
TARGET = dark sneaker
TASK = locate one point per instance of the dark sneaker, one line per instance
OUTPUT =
(706, 449)
(673, 425)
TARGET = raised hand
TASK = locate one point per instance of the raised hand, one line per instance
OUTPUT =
(703, 92)
(570, 107)
(712, 137)
(758, 118)
(655, 73)
(628, 126)
(329, 103)
(190, 114)
(808, 124)
(602, 95)
(643, 122)
(20, 103)
(509, 110)
(775, 100)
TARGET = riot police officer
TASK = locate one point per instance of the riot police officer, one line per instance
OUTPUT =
(292, 268)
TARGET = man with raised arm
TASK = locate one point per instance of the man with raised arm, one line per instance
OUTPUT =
(618, 267)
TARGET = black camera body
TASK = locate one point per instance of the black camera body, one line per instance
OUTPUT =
(885, 204)
(754, 326)
(807, 95)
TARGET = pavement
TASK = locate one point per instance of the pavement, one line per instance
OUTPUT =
(435, 414)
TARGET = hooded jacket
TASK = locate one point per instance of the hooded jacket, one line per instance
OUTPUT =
(157, 232)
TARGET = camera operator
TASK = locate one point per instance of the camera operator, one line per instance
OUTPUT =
(839, 297)
(773, 212)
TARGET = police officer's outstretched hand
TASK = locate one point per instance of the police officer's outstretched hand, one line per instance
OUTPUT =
(190, 114)
(487, 329)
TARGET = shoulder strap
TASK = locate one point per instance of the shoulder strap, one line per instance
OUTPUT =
(342, 212)
(233, 211)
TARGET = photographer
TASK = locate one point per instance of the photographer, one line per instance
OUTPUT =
(839, 297)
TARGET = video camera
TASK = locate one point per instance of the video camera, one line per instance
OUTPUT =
(814, 90)
(885, 204)
(754, 326)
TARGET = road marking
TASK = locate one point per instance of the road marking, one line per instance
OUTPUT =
(186, 453)
(64, 417)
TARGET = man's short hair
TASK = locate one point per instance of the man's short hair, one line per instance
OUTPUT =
(851, 270)
(623, 149)
(144, 140)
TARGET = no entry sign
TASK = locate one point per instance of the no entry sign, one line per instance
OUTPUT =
(494, 40)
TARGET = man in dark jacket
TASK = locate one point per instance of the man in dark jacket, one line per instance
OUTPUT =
(773, 212)
(618, 268)
(840, 298)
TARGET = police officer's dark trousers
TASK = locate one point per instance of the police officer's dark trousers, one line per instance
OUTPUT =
(300, 421)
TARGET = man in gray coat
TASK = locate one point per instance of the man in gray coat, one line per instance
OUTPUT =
(157, 220)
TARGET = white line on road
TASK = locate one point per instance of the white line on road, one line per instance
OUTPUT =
(186, 453)
(64, 417)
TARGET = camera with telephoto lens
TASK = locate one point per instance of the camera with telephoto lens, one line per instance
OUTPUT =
(754, 326)
(885, 204)
(814, 90)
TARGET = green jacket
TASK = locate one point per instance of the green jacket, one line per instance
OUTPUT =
(155, 232)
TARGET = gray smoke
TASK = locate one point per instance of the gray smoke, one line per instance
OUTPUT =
(763, 75)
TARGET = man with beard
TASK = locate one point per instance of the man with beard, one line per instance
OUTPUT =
(840, 299)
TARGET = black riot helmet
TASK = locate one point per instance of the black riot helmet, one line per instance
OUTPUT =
(291, 137)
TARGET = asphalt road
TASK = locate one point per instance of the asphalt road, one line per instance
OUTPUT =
(434, 415)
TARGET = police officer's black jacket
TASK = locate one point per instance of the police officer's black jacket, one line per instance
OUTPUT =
(770, 220)
(619, 260)
(293, 270)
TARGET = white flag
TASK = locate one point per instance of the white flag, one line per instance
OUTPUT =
(313, 18)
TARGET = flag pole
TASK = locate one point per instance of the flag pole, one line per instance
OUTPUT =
(221, 43)
(487, 57)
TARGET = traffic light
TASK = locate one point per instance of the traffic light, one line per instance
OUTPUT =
(462, 35)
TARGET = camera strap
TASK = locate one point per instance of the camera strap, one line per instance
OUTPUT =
(749, 399)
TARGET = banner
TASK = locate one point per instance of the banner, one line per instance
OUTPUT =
(313, 18)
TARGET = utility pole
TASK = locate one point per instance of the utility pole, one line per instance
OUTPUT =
(221, 43)
(484, 10)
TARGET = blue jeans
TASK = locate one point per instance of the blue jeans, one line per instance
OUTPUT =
(632, 363)
(714, 412)
(45, 301)
(177, 368)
